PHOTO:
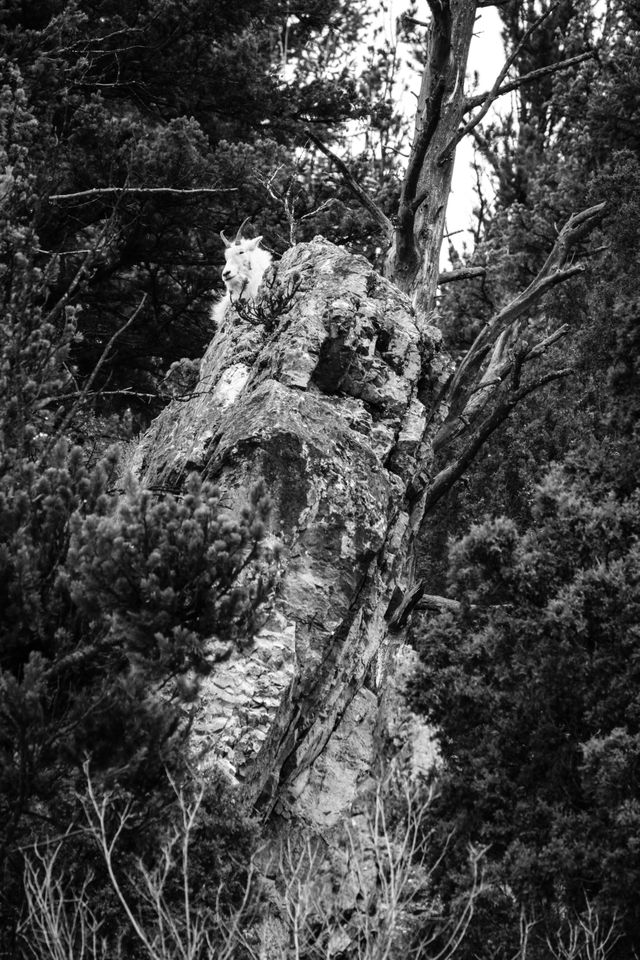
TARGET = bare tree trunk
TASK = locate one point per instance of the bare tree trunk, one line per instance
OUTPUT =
(413, 260)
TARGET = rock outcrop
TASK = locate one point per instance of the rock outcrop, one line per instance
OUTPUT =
(320, 388)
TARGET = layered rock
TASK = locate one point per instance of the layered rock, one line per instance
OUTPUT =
(320, 389)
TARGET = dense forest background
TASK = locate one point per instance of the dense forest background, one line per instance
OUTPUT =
(130, 134)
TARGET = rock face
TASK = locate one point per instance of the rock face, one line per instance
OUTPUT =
(320, 389)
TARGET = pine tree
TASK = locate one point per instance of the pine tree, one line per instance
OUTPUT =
(533, 690)
(112, 604)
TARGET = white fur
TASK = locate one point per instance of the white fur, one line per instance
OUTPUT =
(245, 264)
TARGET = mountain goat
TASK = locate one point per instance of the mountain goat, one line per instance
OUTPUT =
(245, 264)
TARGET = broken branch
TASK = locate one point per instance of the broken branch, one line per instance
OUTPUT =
(352, 184)
(464, 273)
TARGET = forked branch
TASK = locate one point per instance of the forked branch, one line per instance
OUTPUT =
(494, 92)
(499, 340)
(505, 359)
(480, 98)
(552, 273)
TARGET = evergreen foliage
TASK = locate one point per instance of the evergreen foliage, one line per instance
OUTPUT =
(556, 156)
(129, 102)
(532, 686)
(533, 691)
(112, 604)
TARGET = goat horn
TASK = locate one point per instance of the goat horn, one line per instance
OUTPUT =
(227, 243)
(240, 229)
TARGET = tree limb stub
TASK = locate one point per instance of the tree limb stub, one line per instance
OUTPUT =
(464, 273)
(416, 599)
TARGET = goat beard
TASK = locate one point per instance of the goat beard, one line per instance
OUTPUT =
(233, 296)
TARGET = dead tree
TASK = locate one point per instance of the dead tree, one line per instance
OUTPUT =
(335, 390)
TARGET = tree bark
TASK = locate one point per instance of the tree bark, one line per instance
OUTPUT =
(414, 257)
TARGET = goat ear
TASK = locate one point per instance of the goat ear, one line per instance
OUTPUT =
(253, 243)
(227, 243)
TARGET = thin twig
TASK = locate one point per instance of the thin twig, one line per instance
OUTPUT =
(80, 274)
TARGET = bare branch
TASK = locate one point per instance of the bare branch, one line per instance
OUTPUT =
(503, 362)
(144, 191)
(416, 598)
(464, 273)
(551, 273)
(81, 272)
(478, 99)
(493, 93)
(544, 345)
(446, 478)
(359, 192)
(87, 387)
